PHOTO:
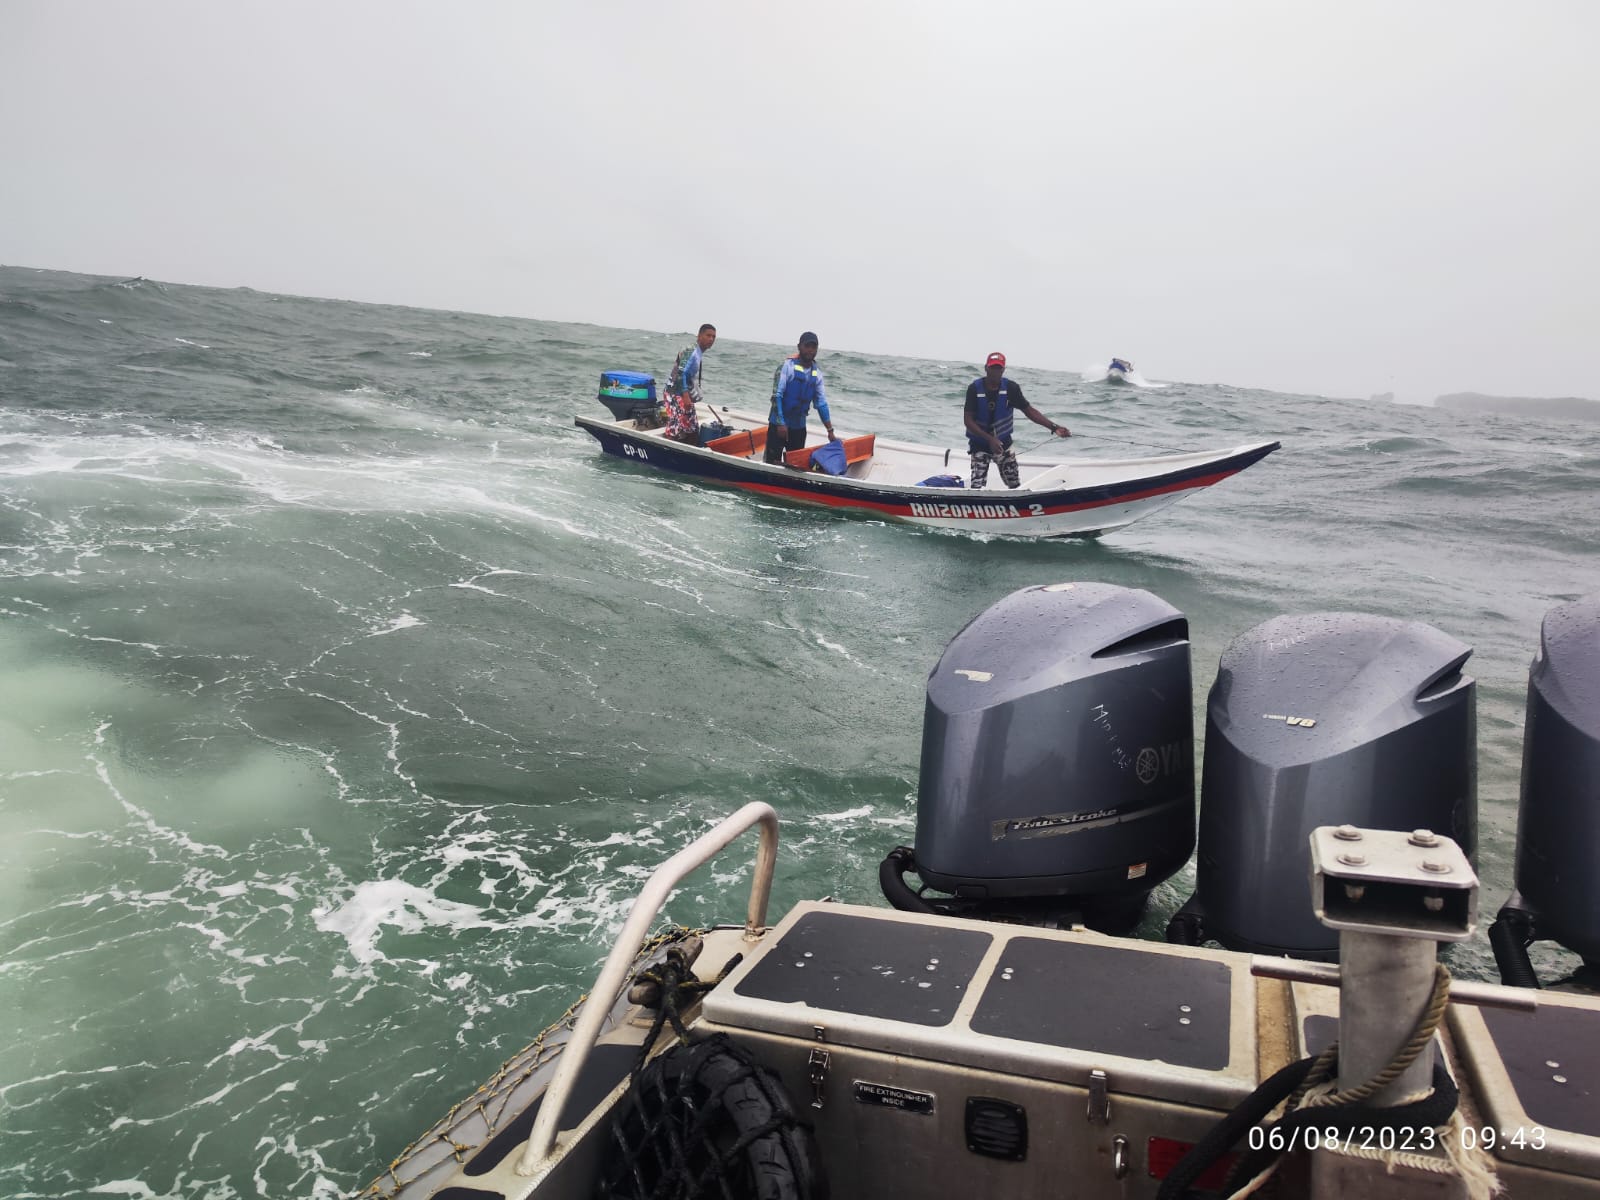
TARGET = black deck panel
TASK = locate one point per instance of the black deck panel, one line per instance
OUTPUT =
(1105, 999)
(846, 963)
(1553, 1058)
(606, 1066)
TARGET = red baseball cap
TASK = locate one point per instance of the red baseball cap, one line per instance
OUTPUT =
(995, 360)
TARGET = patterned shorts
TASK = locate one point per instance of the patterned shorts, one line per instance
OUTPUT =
(681, 425)
(1006, 460)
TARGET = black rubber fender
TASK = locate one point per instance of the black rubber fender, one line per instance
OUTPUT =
(1509, 937)
(705, 1119)
(1185, 929)
(891, 880)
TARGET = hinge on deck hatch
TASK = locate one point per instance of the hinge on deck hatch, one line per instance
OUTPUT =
(1099, 1098)
(818, 1066)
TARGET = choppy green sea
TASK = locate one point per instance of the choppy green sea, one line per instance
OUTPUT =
(347, 693)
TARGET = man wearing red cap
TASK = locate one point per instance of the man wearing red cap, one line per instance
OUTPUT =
(991, 401)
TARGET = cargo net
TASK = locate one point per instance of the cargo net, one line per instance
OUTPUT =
(703, 1119)
(424, 1165)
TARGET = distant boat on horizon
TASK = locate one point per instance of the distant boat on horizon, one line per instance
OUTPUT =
(1118, 370)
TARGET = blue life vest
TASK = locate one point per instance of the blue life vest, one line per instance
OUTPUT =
(798, 395)
(993, 414)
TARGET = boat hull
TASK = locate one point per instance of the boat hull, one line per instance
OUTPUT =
(1099, 503)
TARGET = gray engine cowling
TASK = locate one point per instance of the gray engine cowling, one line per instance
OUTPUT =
(1557, 892)
(1323, 719)
(1057, 749)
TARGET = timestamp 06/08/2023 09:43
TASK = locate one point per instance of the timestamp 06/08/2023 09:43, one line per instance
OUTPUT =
(1393, 1137)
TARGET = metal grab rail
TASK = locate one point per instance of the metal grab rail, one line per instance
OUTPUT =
(1486, 995)
(540, 1154)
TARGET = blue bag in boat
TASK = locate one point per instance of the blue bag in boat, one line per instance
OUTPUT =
(942, 481)
(829, 458)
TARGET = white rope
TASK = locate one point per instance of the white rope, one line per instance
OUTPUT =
(1256, 1184)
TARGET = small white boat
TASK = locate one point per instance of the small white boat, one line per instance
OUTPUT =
(922, 485)
(1120, 371)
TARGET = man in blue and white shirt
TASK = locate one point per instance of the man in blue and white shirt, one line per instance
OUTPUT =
(796, 386)
(683, 388)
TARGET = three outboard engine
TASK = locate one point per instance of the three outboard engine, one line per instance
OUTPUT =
(1326, 719)
(1557, 893)
(1057, 779)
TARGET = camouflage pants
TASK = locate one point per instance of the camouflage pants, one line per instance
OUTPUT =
(1006, 460)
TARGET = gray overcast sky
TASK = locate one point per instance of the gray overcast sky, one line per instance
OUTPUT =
(1344, 198)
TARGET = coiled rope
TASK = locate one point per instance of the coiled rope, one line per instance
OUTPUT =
(1315, 1099)
(670, 987)
(1323, 1067)
(1307, 1090)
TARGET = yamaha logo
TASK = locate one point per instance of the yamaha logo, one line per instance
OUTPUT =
(1147, 765)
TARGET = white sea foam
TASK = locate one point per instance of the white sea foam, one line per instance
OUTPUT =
(478, 587)
(264, 468)
(622, 837)
(844, 653)
(404, 621)
(403, 906)
(136, 1188)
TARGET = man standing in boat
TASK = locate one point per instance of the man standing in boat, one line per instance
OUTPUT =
(991, 401)
(796, 386)
(683, 388)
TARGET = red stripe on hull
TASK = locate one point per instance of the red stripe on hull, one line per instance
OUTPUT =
(936, 496)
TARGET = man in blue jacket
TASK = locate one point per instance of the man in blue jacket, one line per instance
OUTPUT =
(796, 386)
(991, 401)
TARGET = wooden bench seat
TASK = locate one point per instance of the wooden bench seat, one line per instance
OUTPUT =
(856, 449)
(747, 443)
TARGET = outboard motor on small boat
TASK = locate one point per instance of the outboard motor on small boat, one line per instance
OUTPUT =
(1323, 719)
(628, 394)
(1557, 892)
(1057, 778)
